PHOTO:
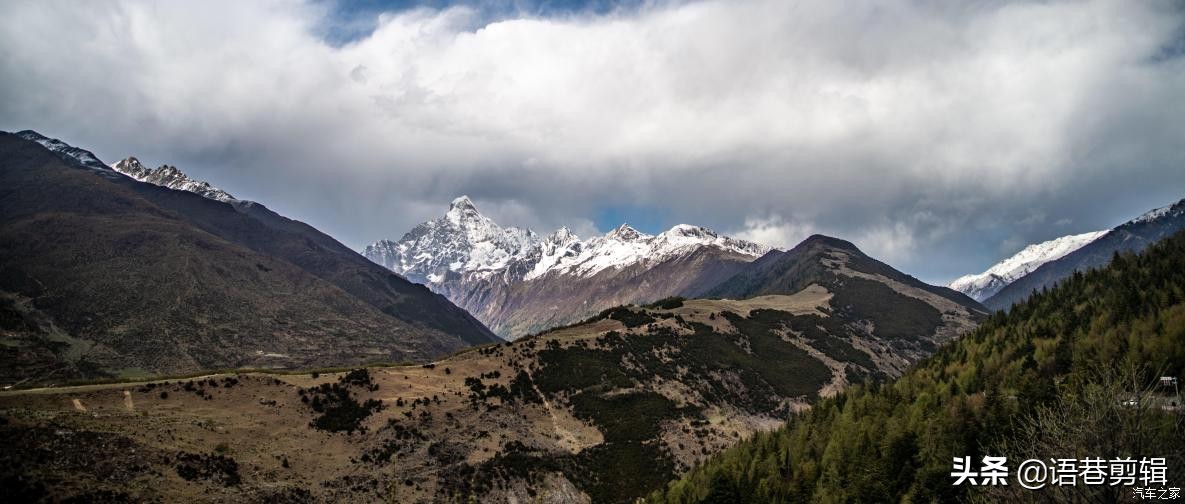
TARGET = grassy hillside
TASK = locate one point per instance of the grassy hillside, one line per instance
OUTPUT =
(1048, 379)
(601, 411)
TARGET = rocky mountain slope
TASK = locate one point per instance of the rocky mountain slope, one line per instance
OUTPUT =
(518, 282)
(603, 411)
(984, 285)
(1132, 236)
(102, 275)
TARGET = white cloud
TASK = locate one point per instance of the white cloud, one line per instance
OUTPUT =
(773, 231)
(891, 243)
(855, 118)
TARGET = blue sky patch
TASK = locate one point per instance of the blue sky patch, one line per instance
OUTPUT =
(351, 20)
(647, 219)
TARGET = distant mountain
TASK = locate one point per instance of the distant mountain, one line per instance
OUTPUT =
(518, 282)
(984, 285)
(102, 275)
(1132, 236)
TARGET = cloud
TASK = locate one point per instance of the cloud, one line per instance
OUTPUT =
(928, 130)
(773, 231)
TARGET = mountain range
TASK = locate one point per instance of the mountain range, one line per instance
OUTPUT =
(1132, 236)
(518, 282)
(103, 275)
(1042, 265)
(985, 285)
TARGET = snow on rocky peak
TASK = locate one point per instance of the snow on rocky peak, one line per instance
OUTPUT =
(462, 241)
(171, 177)
(560, 246)
(626, 246)
(984, 285)
(1176, 209)
(466, 242)
(82, 156)
(625, 233)
(132, 168)
(684, 235)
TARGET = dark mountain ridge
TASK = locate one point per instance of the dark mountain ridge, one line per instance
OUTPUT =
(103, 275)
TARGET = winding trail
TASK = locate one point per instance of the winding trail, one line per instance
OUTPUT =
(564, 435)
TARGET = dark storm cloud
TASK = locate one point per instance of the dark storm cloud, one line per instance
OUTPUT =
(938, 136)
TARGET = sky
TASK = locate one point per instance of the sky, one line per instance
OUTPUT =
(939, 136)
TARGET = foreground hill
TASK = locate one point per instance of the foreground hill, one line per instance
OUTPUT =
(1069, 373)
(605, 410)
(102, 275)
(887, 303)
(1132, 236)
(517, 282)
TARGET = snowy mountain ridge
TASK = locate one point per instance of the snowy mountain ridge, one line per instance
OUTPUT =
(165, 175)
(81, 156)
(1132, 236)
(465, 242)
(171, 177)
(1175, 210)
(983, 285)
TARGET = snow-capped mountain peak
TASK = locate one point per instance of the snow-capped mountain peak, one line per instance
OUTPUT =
(463, 202)
(462, 209)
(626, 233)
(465, 242)
(171, 177)
(132, 167)
(562, 237)
(983, 285)
(462, 241)
(683, 235)
(690, 230)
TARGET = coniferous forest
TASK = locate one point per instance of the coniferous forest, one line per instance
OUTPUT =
(1072, 372)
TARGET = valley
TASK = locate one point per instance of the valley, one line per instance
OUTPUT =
(601, 411)
(637, 358)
